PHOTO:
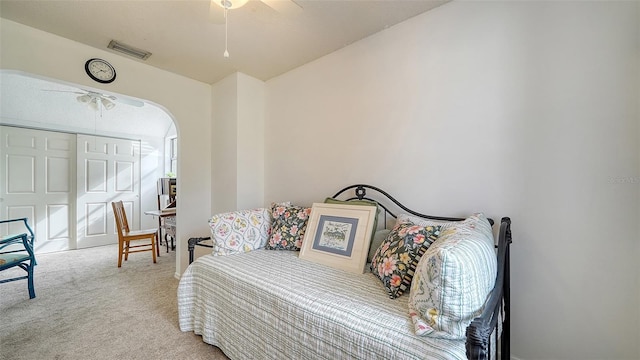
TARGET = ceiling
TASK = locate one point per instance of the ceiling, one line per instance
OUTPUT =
(184, 38)
(43, 104)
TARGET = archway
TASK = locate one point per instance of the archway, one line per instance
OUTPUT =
(43, 106)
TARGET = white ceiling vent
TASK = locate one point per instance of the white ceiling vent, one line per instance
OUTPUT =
(128, 50)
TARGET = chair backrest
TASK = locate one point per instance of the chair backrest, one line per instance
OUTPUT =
(121, 217)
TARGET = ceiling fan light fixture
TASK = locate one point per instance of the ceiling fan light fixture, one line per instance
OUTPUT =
(231, 4)
(93, 104)
(107, 104)
(84, 98)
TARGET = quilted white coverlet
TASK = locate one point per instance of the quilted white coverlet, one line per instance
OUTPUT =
(268, 304)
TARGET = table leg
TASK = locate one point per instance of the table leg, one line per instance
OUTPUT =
(159, 235)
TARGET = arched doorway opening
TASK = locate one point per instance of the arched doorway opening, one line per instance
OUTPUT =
(68, 152)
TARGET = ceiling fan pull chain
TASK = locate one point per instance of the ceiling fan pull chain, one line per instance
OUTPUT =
(226, 21)
(95, 130)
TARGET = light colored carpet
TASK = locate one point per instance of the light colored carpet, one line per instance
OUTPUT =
(88, 308)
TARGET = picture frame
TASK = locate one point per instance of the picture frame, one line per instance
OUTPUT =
(338, 235)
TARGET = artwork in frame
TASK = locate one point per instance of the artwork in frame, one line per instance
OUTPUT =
(338, 235)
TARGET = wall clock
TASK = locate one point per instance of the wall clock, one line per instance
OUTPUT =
(100, 70)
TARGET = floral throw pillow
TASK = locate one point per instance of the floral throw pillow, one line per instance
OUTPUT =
(287, 227)
(239, 231)
(395, 260)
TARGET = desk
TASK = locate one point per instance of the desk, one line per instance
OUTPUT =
(166, 221)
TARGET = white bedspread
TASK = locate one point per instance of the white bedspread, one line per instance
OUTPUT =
(268, 304)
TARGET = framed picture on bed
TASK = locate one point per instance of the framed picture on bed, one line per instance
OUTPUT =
(338, 235)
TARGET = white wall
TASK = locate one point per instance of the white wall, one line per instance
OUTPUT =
(187, 101)
(224, 171)
(151, 168)
(520, 109)
(251, 107)
(238, 143)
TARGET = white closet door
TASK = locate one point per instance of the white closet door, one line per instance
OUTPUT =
(108, 170)
(37, 181)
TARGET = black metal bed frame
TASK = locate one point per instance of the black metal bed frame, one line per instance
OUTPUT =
(495, 320)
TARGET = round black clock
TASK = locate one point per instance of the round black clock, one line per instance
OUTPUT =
(100, 70)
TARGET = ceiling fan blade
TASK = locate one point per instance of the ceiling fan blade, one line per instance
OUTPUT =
(127, 101)
(88, 96)
(108, 105)
(285, 7)
(121, 99)
(65, 91)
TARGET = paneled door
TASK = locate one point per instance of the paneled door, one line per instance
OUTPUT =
(108, 170)
(37, 181)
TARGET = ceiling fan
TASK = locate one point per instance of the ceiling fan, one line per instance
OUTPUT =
(219, 10)
(96, 100)
(217, 7)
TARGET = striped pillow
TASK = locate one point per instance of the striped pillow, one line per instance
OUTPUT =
(453, 279)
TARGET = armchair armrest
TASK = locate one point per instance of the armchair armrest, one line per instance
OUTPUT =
(196, 241)
(16, 251)
(26, 226)
(16, 255)
(15, 239)
(26, 238)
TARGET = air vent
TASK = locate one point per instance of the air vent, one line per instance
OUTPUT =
(131, 51)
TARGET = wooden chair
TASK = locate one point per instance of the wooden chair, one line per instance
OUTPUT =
(125, 236)
(17, 251)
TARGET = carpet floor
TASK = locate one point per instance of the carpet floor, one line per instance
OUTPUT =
(88, 308)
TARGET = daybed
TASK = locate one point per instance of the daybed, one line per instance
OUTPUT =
(255, 303)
